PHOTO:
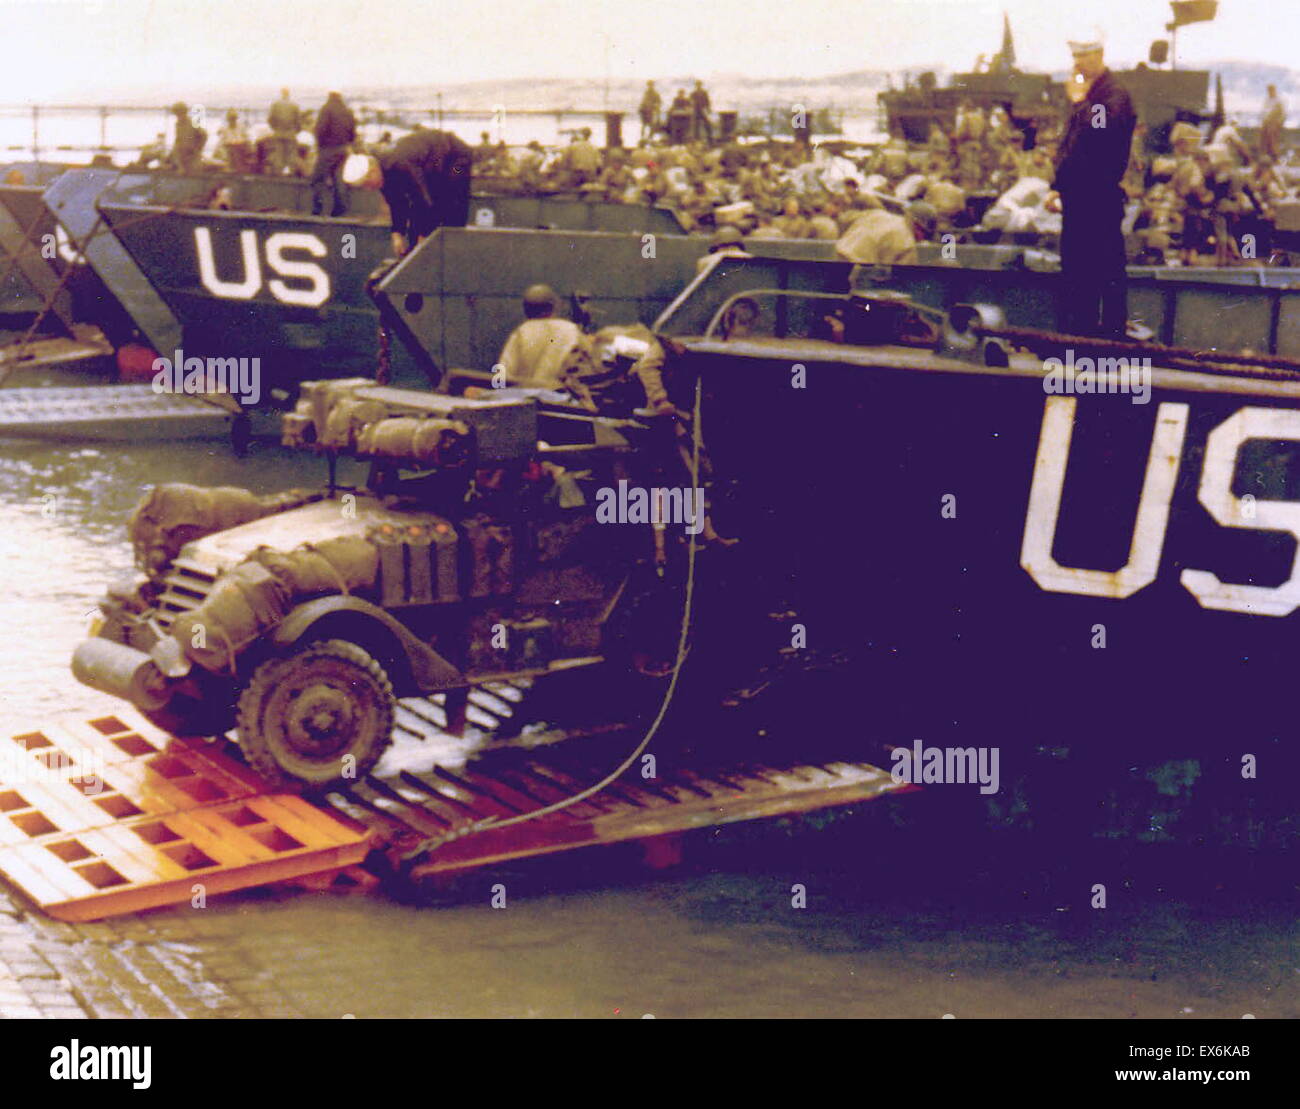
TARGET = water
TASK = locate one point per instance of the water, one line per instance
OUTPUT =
(75, 135)
(904, 917)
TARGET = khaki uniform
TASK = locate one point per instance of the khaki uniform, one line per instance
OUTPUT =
(792, 227)
(535, 353)
(1270, 132)
(879, 238)
(946, 198)
(582, 160)
(615, 386)
(823, 227)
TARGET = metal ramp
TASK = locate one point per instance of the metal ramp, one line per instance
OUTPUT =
(448, 808)
(112, 816)
(31, 282)
(107, 413)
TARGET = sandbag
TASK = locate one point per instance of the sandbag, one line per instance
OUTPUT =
(346, 418)
(246, 602)
(253, 597)
(412, 438)
(173, 514)
(344, 564)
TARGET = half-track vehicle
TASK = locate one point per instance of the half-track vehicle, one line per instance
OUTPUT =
(476, 551)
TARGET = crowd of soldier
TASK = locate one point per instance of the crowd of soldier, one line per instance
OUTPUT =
(1204, 203)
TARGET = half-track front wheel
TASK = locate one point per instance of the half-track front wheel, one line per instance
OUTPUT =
(322, 714)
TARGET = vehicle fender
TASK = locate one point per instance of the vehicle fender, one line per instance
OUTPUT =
(429, 671)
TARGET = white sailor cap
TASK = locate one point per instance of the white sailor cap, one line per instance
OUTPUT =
(1087, 40)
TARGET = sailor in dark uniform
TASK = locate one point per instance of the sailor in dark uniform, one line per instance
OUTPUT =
(1090, 164)
(426, 178)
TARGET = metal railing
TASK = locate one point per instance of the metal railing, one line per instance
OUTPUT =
(35, 122)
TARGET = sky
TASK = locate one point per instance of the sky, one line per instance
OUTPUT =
(82, 51)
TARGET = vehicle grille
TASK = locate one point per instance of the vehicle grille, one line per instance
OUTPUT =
(186, 586)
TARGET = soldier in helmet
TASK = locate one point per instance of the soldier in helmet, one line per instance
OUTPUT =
(791, 222)
(701, 126)
(878, 237)
(535, 353)
(187, 148)
(727, 242)
(582, 161)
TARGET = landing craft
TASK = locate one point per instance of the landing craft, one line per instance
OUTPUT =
(975, 552)
(454, 300)
(291, 286)
(1160, 96)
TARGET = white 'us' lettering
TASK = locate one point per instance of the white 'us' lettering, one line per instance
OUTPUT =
(313, 295)
(1215, 493)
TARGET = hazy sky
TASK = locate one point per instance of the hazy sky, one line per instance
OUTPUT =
(73, 50)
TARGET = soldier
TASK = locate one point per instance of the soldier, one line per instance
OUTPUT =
(1090, 163)
(651, 102)
(1270, 132)
(234, 150)
(187, 148)
(425, 180)
(727, 242)
(581, 160)
(285, 120)
(679, 119)
(878, 237)
(947, 199)
(336, 131)
(701, 125)
(1228, 140)
(824, 223)
(617, 370)
(535, 354)
(938, 142)
(791, 222)
(153, 154)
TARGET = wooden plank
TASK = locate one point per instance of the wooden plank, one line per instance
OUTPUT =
(131, 899)
(31, 871)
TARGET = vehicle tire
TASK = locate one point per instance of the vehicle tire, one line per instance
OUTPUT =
(302, 716)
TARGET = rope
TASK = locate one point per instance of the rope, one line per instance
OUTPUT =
(383, 357)
(492, 822)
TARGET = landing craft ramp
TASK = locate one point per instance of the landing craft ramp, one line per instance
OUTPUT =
(72, 200)
(109, 413)
(30, 280)
(112, 816)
